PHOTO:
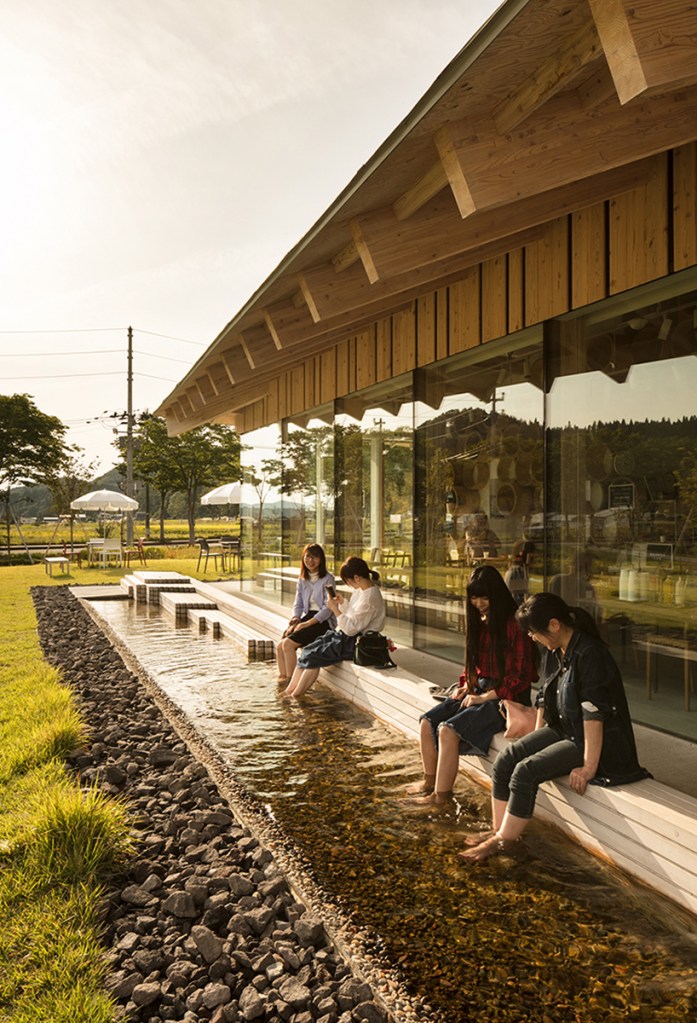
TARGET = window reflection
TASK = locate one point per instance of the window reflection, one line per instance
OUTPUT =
(622, 489)
(479, 476)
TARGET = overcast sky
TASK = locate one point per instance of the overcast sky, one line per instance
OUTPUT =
(160, 157)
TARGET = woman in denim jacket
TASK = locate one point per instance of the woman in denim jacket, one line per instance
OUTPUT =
(310, 617)
(584, 729)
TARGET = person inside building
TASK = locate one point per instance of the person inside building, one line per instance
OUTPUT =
(310, 616)
(517, 577)
(499, 665)
(364, 612)
(584, 730)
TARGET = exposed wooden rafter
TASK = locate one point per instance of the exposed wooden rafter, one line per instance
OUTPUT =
(559, 145)
(429, 185)
(546, 81)
(649, 46)
(437, 231)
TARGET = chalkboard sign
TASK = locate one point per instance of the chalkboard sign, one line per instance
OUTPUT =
(620, 495)
(659, 554)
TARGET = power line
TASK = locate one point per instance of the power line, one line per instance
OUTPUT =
(168, 337)
(74, 330)
(65, 376)
(44, 355)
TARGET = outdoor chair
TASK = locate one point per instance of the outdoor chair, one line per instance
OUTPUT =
(135, 552)
(110, 550)
(205, 552)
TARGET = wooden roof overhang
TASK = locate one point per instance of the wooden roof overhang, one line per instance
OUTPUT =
(551, 107)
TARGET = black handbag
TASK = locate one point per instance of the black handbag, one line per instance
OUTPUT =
(372, 651)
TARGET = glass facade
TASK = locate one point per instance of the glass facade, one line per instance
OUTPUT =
(579, 436)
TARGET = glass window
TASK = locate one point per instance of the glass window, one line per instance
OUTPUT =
(306, 469)
(622, 528)
(260, 514)
(374, 490)
(479, 479)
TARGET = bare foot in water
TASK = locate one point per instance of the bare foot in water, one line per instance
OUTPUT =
(493, 846)
(419, 788)
(430, 800)
(477, 837)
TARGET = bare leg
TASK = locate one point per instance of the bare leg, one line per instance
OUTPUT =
(286, 658)
(448, 762)
(498, 809)
(509, 830)
(429, 759)
(301, 681)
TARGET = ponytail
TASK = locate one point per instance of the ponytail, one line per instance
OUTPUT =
(535, 614)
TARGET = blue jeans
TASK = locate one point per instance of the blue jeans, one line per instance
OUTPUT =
(520, 769)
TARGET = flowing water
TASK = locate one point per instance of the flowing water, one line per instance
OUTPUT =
(546, 936)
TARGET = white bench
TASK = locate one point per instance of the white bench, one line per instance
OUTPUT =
(647, 829)
(57, 562)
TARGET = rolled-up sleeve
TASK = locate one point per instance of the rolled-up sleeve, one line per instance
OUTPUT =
(593, 684)
(324, 612)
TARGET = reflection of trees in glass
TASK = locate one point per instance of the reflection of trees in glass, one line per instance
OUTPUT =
(294, 472)
(348, 487)
(655, 457)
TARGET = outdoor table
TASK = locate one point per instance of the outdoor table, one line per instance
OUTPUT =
(93, 549)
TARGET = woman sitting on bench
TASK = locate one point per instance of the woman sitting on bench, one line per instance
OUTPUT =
(586, 733)
(499, 665)
(310, 616)
(365, 612)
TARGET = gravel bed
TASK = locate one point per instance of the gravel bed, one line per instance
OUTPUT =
(204, 925)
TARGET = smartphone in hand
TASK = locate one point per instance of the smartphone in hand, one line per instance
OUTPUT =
(331, 591)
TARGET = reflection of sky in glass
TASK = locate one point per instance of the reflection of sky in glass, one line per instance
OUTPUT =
(652, 390)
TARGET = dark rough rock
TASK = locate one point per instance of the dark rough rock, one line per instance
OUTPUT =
(203, 925)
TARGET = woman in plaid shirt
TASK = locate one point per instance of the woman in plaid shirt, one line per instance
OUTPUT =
(499, 665)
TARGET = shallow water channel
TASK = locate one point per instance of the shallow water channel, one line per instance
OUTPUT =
(548, 935)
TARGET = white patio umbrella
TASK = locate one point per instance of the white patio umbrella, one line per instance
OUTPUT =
(229, 493)
(104, 500)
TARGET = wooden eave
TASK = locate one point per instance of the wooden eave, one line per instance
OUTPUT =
(550, 108)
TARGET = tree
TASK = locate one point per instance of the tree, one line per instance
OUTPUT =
(71, 480)
(204, 457)
(31, 446)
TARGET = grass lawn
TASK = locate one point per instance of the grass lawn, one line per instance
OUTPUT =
(58, 844)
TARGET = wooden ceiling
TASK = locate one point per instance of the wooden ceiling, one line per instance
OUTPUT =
(551, 107)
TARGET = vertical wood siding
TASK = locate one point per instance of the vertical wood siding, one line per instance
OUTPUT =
(601, 250)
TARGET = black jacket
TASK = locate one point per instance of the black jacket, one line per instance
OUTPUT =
(585, 685)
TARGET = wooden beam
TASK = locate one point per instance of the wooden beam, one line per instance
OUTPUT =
(306, 289)
(432, 182)
(346, 257)
(546, 81)
(560, 145)
(195, 397)
(363, 251)
(649, 46)
(438, 232)
(257, 345)
(285, 318)
(449, 140)
(205, 387)
(235, 363)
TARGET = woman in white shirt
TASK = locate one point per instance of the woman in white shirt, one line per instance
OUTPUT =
(365, 612)
(310, 616)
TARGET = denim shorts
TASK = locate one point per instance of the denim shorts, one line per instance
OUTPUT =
(476, 725)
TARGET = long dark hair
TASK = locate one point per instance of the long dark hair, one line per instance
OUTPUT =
(357, 566)
(535, 614)
(317, 552)
(486, 581)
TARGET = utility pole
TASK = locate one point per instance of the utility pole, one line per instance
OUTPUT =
(129, 439)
